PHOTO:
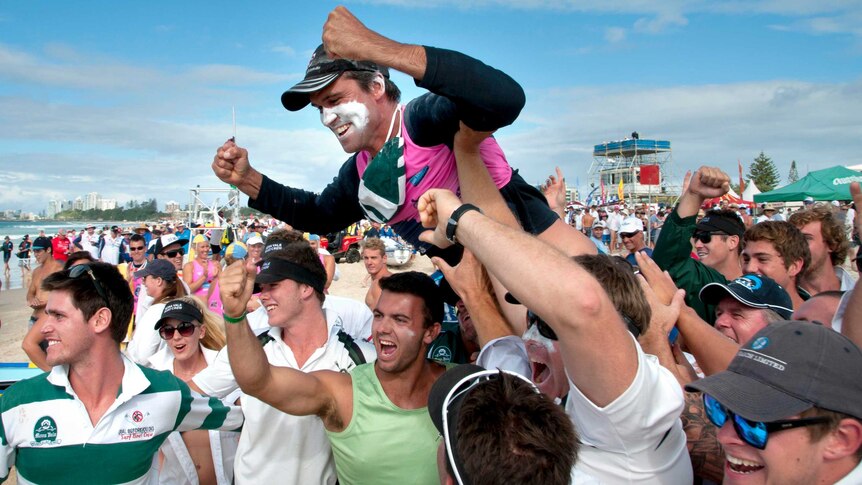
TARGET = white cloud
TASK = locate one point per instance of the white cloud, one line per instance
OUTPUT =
(615, 35)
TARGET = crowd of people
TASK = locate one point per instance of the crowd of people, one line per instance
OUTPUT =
(693, 344)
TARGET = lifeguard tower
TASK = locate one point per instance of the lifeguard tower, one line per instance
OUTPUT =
(643, 167)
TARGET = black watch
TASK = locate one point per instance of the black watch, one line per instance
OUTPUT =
(452, 225)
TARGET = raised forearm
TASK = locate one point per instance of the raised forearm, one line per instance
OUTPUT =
(712, 350)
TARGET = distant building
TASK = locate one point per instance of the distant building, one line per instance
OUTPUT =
(78, 204)
(172, 206)
(54, 208)
(91, 201)
(107, 204)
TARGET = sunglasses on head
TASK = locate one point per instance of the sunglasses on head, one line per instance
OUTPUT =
(628, 235)
(184, 329)
(754, 433)
(79, 270)
(174, 253)
(461, 388)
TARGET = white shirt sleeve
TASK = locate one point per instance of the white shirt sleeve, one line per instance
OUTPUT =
(217, 379)
(146, 340)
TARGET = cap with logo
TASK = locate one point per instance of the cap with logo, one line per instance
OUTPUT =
(788, 368)
(729, 224)
(166, 240)
(321, 71)
(182, 311)
(601, 224)
(273, 270)
(754, 290)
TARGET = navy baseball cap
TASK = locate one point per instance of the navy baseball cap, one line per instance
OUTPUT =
(754, 290)
(322, 70)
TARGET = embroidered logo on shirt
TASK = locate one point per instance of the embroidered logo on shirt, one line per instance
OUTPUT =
(45, 432)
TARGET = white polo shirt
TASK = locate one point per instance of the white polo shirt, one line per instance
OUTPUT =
(275, 447)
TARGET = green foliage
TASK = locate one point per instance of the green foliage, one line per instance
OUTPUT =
(793, 176)
(764, 173)
(134, 211)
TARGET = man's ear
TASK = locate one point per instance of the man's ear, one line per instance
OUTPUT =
(101, 320)
(733, 242)
(432, 332)
(844, 441)
(378, 86)
(795, 267)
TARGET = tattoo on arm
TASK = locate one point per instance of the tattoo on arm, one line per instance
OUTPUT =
(707, 457)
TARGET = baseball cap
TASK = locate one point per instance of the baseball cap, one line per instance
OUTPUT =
(754, 290)
(601, 224)
(89, 226)
(41, 242)
(769, 207)
(160, 268)
(256, 239)
(809, 200)
(273, 270)
(787, 368)
(631, 224)
(236, 250)
(714, 222)
(182, 311)
(115, 228)
(321, 71)
(166, 240)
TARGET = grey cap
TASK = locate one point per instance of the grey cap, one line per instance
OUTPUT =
(788, 368)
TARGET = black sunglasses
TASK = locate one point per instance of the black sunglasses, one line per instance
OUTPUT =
(184, 329)
(544, 329)
(706, 237)
(77, 271)
(628, 235)
(136, 248)
(174, 253)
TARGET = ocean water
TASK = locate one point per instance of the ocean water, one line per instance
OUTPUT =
(16, 231)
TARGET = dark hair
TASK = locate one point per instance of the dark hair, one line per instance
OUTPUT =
(831, 229)
(509, 433)
(138, 238)
(786, 238)
(300, 253)
(76, 257)
(731, 216)
(365, 79)
(86, 297)
(420, 285)
(619, 282)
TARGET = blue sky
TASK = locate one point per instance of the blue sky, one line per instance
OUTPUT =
(131, 99)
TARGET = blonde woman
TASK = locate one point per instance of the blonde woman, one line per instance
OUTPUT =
(193, 336)
(201, 274)
(162, 284)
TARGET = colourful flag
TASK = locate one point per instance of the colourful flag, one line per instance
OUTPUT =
(620, 190)
(602, 185)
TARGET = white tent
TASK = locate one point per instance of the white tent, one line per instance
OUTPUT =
(750, 190)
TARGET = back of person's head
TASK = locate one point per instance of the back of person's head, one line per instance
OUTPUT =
(374, 243)
(617, 278)
(498, 428)
(830, 227)
(78, 257)
(214, 338)
(300, 253)
(422, 286)
(83, 283)
(786, 238)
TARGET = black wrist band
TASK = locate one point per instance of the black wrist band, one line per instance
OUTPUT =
(452, 225)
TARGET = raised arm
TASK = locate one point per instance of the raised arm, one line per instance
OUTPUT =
(599, 354)
(851, 325)
(289, 390)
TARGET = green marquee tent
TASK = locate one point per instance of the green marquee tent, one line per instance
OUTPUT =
(827, 184)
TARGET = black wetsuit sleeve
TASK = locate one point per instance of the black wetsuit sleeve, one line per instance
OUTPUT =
(461, 89)
(332, 210)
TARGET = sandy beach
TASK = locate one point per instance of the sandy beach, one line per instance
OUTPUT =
(14, 312)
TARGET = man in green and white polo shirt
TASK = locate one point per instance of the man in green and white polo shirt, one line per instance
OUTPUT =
(96, 417)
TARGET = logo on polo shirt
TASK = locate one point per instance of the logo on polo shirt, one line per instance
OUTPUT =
(442, 354)
(45, 432)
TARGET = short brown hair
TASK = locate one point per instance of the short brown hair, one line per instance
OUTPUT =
(786, 238)
(86, 298)
(621, 285)
(831, 229)
(301, 254)
(366, 78)
(374, 243)
(819, 431)
(509, 433)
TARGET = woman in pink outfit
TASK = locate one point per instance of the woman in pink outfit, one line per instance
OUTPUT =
(201, 274)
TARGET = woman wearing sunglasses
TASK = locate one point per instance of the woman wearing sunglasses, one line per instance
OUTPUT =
(162, 284)
(201, 274)
(193, 336)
